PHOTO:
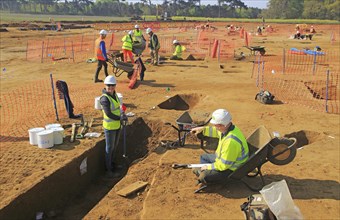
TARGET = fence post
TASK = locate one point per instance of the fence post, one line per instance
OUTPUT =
(47, 45)
(64, 46)
(53, 96)
(27, 51)
(81, 45)
(314, 63)
(327, 83)
(258, 72)
(284, 61)
(72, 51)
(218, 51)
(262, 77)
(42, 52)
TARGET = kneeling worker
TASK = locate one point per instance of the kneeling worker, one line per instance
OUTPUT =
(232, 150)
(177, 55)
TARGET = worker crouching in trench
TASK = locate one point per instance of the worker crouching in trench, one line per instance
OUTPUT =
(232, 150)
(177, 55)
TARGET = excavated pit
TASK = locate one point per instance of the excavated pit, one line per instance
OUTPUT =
(304, 137)
(180, 102)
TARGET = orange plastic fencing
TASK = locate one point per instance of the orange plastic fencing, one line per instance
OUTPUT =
(309, 80)
(31, 107)
(80, 48)
(76, 48)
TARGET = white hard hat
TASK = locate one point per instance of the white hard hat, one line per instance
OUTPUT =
(148, 30)
(136, 26)
(175, 42)
(103, 32)
(130, 32)
(110, 80)
(220, 116)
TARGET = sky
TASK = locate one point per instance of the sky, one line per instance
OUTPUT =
(256, 3)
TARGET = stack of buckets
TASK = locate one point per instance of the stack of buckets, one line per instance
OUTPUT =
(54, 134)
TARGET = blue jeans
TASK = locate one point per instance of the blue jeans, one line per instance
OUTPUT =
(207, 158)
(212, 176)
(111, 139)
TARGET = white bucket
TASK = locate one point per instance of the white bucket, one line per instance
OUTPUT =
(45, 139)
(49, 126)
(58, 135)
(33, 135)
(120, 97)
(97, 104)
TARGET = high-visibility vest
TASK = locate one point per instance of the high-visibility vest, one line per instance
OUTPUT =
(99, 52)
(153, 43)
(178, 51)
(109, 123)
(232, 156)
(137, 33)
(127, 42)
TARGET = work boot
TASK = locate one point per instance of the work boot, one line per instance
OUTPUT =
(196, 171)
(98, 80)
(200, 186)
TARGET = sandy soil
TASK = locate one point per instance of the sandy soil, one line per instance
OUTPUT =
(313, 176)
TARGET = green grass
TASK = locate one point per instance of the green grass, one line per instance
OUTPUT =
(14, 17)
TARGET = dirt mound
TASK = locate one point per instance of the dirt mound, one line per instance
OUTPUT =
(190, 57)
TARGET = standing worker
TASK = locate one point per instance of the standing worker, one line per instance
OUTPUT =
(154, 47)
(177, 55)
(138, 34)
(127, 47)
(112, 116)
(101, 55)
(232, 150)
(138, 45)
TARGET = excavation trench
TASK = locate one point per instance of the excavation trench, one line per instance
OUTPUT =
(69, 194)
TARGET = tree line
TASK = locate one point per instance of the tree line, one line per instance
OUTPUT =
(278, 9)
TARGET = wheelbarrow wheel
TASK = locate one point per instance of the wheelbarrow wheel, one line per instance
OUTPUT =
(262, 52)
(282, 151)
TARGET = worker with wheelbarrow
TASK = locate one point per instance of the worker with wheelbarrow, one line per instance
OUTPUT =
(232, 150)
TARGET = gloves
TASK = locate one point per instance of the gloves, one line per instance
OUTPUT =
(123, 118)
(196, 130)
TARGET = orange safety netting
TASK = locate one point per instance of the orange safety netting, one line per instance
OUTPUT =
(309, 80)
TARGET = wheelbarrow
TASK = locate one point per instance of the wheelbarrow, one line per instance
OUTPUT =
(118, 66)
(254, 49)
(184, 126)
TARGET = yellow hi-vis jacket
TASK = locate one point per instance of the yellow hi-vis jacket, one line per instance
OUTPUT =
(109, 123)
(232, 150)
(178, 51)
(127, 42)
(137, 33)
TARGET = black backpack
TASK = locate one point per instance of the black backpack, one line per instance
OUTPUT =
(265, 97)
(256, 208)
